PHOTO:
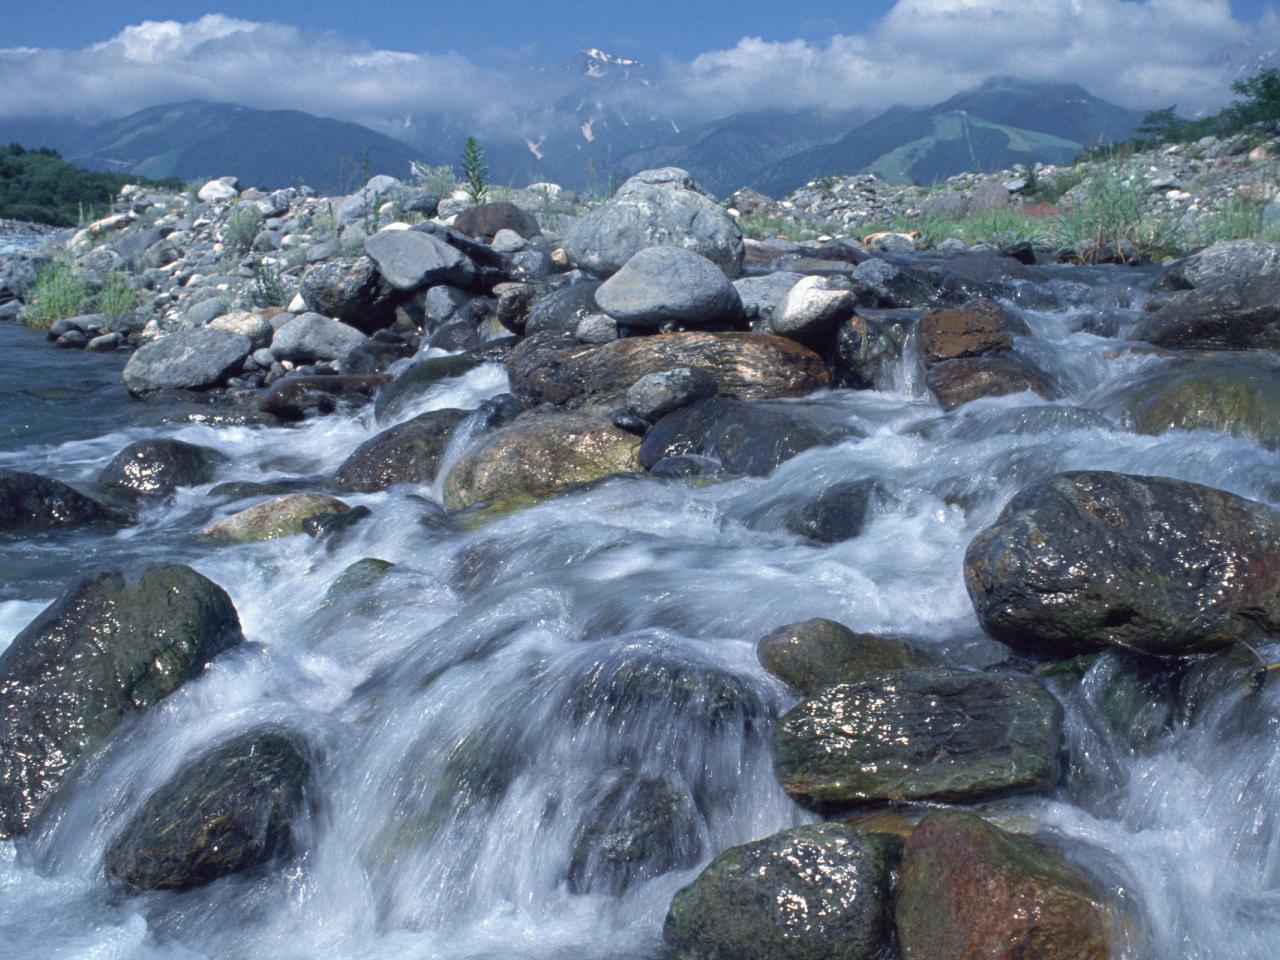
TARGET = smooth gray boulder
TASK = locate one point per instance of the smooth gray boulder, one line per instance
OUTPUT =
(1229, 260)
(1235, 314)
(811, 310)
(410, 260)
(187, 360)
(310, 337)
(651, 209)
(668, 284)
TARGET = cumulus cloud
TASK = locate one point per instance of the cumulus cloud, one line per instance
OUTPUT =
(1140, 53)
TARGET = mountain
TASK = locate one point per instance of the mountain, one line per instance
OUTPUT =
(1002, 122)
(198, 139)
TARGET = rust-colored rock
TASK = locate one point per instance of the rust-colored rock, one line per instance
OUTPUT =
(980, 327)
(969, 890)
(957, 382)
(554, 368)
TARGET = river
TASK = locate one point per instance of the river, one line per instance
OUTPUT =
(498, 684)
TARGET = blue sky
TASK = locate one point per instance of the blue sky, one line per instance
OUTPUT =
(555, 29)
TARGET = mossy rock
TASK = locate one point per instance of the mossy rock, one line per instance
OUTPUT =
(1237, 395)
(282, 517)
(820, 653)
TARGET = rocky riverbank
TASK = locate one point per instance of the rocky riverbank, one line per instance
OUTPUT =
(645, 346)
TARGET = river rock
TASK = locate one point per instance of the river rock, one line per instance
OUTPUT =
(107, 648)
(1238, 314)
(415, 382)
(230, 809)
(485, 220)
(410, 260)
(155, 468)
(1229, 260)
(837, 513)
(817, 892)
(761, 296)
(281, 517)
(561, 311)
(651, 210)
(548, 368)
(969, 889)
(669, 284)
(820, 653)
(310, 337)
(746, 438)
(219, 191)
(351, 291)
(187, 360)
(655, 395)
(920, 733)
(960, 381)
(252, 325)
(537, 455)
(1239, 395)
(879, 283)
(867, 348)
(30, 502)
(811, 310)
(978, 328)
(409, 452)
(295, 397)
(1084, 560)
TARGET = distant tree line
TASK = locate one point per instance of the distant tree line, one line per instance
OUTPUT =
(38, 185)
(1258, 104)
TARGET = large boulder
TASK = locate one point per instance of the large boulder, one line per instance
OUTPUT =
(746, 438)
(230, 809)
(918, 733)
(187, 360)
(411, 260)
(310, 337)
(980, 327)
(820, 653)
(351, 291)
(409, 452)
(1237, 394)
(107, 648)
(280, 517)
(966, 888)
(817, 892)
(539, 454)
(157, 467)
(1229, 260)
(651, 209)
(29, 501)
(1236, 314)
(1085, 560)
(960, 381)
(550, 368)
(670, 284)
(811, 310)
(485, 220)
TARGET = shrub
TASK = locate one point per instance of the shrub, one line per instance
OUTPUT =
(269, 288)
(242, 227)
(435, 181)
(59, 293)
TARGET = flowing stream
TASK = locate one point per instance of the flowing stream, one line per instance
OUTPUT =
(478, 705)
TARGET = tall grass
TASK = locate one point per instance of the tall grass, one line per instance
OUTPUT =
(59, 293)
(117, 298)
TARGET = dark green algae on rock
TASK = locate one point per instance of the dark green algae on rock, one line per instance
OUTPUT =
(917, 733)
(107, 648)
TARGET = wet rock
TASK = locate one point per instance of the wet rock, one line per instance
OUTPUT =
(537, 455)
(669, 284)
(409, 452)
(649, 211)
(155, 468)
(555, 369)
(295, 397)
(969, 889)
(485, 220)
(820, 653)
(957, 382)
(836, 514)
(746, 438)
(351, 291)
(978, 328)
(1090, 559)
(280, 517)
(31, 502)
(415, 382)
(1236, 395)
(1219, 682)
(637, 828)
(879, 283)
(107, 648)
(817, 892)
(655, 395)
(410, 260)
(1238, 314)
(811, 311)
(356, 578)
(1229, 260)
(868, 346)
(561, 311)
(920, 733)
(229, 810)
(186, 360)
(311, 337)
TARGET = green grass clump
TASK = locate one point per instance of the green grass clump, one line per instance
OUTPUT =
(117, 298)
(435, 181)
(59, 293)
(1111, 210)
(268, 289)
(760, 226)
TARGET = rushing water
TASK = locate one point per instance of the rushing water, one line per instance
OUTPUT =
(477, 703)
